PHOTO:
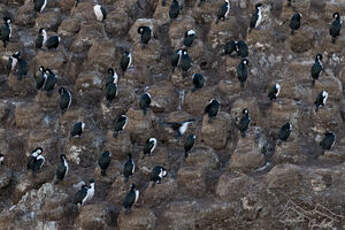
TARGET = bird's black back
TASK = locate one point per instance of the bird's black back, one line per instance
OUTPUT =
(76, 129)
(129, 200)
(174, 9)
(80, 195)
(124, 62)
(119, 124)
(254, 18)
(39, 41)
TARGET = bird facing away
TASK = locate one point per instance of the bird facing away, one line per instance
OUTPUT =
(131, 198)
(295, 22)
(334, 31)
(62, 169)
(188, 144)
(223, 11)
(120, 125)
(77, 129)
(243, 125)
(317, 68)
(328, 141)
(174, 10)
(145, 102)
(212, 109)
(285, 131)
(242, 72)
(274, 91)
(198, 81)
(104, 162)
(150, 146)
(157, 175)
(129, 168)
(65, 99)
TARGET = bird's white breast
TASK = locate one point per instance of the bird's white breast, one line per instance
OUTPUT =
(259, 19)
(98, 12)
(136, 196)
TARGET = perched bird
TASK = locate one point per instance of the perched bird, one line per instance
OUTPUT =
(174, 10)
(104, 162)
(2, 158)
(76, 2)
(150, 146)
(39, 5)
(41, 79)
(111, 86)
(328, 141)
(256, 17)
(243, 125)
(229, 47)
(334, 31)
(91, 190)
(126, 61)
(62, 169)
(100, 12)
(185, 62)
(198, 81)
(289, 3)
(223, 11)
(321, 100)
(36, 160)
(6, 31)
(189, 37)
(12, 62)
(242, 72)
(157, 175)
(50, 82)
(316, 68)
(164, 2)
(176, 58)
(120, 125)
(188, 144)
(65, 99)
(17, 64)
(131, 198)
(180, 127)
(42, 40)
(145, 35)
(144, 102)
(285, 131)
(241, 49)
(112, 76)
(81, 196)
(77, 129)
(129, 168)
(274, 92)
(295, 22)
(212, 109)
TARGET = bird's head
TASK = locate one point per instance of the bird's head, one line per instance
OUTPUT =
(245, 61)
(336, 15)
(61, 90)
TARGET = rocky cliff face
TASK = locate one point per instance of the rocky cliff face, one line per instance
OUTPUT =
(227, 182)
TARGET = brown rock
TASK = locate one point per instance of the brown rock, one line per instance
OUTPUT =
(215, 134)
(94, 216)
(195, 102)
(119, 146)
(52, 60)
(25, 15)
(87, 35)
(285, 177)
(203, 158)
(192, 179)
(117, 22)
(139, 126)
(149, 54)
(49, 20)
(101, 54)
(282, 111)
(177, 30)
(302, 40)
(252, 105)
(69, 27)
(133, 32)
(5, 177)
(160, 193)
(28, 115)
(139, 219)
(48, 103)
(221, 32)
(164, 96)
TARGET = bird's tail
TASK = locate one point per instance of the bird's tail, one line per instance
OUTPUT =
(19, 77)
(126, 180)
(313, 83)
(242, 84)
(144, 111)
(127, 211)
(194, 89)
(163, 2)
(217, 20)
(333, 40)
(49, 93)
(103, 172)
(292, 32)
(115, 134)
(243, 134)
(316, 109)
(184, 74)
(185, 154)
(153, 184)
(108, 104)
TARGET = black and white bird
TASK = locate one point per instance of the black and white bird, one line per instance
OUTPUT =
(36, 160)
(334, 31)
(229, 47)
(245, 120)
(131, 198)
(91, 190)
(189, 37)
(285, 131)
(77, 129)
(150, 146)
(104, 162)
(185, 62)
(274, 91)
(128, 168)
(212, 109)
(145, 102)
(188, 144)
(242, 72)
(41, 79)
(18, 65)
(241, 49)
(174, 10)
(200, 2)
(65, 99)
(256, 17)
(39, 5)
(6, 31)
(120, 125)
(145, 35)
(180, 127)
(100, 12)
(198, 81)
(157, 175)
(295, 22)
(317, 68)
(50, 82)
(328, 141)
(321, 100)
(85, 194)
(2, 158)
(176, 59)
(51, 42)
(111, 86)
(223, 11)
(62, 169)
(126, 61)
